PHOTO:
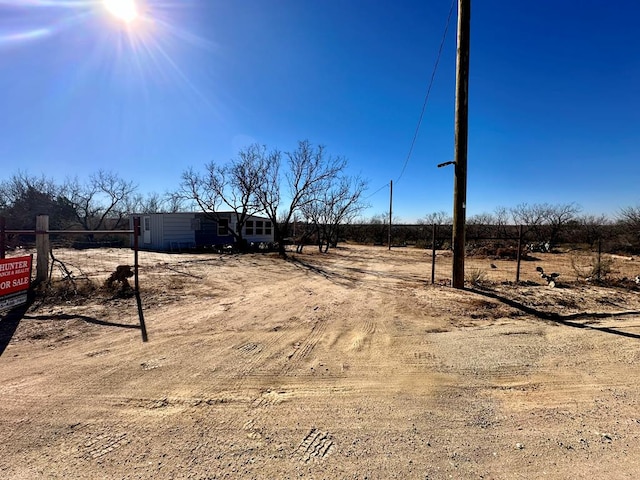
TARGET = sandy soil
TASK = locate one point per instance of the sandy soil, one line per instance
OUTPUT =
(346, 365)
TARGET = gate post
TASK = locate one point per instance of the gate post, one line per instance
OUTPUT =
(136, 236)
(42, 247)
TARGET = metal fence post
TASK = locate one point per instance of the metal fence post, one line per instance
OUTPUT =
(599, 264)
(519, 253)
(136, 236)
(433, 254)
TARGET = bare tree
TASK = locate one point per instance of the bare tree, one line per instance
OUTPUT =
(437, 218)
(376, 228)
(530, 215)
(484, 218)
(594, 227)
(24, 196)
(502, 216)
(338, 202)
(630, 218)
(379, 219)
(20, 183)
(304, 231)
(481, 226)
(175, 202)
(558, 216)
(105, 196)
(234, 186)
(154, 202)
(545, 219)
(309, 170)
(532, 218)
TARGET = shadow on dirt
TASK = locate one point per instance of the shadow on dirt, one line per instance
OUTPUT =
(94, 321)
(351, 277)
(9, 323)
(333, 277)
(561, 319)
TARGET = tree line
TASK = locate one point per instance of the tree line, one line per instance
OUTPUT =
(306, 183)
(538, 224)
(305, 192)
(100, 202)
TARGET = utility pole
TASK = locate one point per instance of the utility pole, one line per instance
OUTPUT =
(460, 151)
(390, 211)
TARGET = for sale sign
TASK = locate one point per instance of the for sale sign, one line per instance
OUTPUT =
(15, 279)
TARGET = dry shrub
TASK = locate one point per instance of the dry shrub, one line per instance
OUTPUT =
(66, 290)
(591, 267)
(476, 276)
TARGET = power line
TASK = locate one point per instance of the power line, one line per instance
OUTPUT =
(382, 187)
(424, 104)
(426, 98)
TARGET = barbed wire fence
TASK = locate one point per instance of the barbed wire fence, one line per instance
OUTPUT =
(73, 265)
(504, 253)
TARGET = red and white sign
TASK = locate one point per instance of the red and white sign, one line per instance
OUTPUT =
(15, 275)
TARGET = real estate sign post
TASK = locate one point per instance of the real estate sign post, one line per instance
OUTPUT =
(15, 280)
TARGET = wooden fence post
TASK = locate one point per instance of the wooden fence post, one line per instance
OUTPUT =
(42, 247)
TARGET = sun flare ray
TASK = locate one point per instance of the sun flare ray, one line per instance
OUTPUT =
(124, 10)
(133, 42)
(25, 36)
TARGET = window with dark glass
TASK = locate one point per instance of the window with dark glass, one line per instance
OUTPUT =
(223, 227)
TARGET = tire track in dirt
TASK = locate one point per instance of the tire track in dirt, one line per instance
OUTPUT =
(176, 403)
(362, 333)
(254, 426)
(315, 446)
(302, 349)
(254, 355)
(270, 398)
(100, 444)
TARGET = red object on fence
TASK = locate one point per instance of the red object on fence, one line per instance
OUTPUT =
(15, 274)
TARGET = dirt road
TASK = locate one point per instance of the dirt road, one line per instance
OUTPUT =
(346, 365)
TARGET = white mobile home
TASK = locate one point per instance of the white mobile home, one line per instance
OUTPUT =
(168, 232)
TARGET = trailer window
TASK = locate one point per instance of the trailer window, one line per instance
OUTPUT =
(223, 227)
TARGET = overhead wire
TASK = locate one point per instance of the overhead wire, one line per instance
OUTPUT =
(381, 188)
(426, 97)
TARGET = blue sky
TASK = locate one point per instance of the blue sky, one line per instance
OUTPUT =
(554, 108)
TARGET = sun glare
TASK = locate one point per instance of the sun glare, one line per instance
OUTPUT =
(124, 10)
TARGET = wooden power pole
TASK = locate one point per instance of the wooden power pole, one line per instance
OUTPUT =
(460, 151)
